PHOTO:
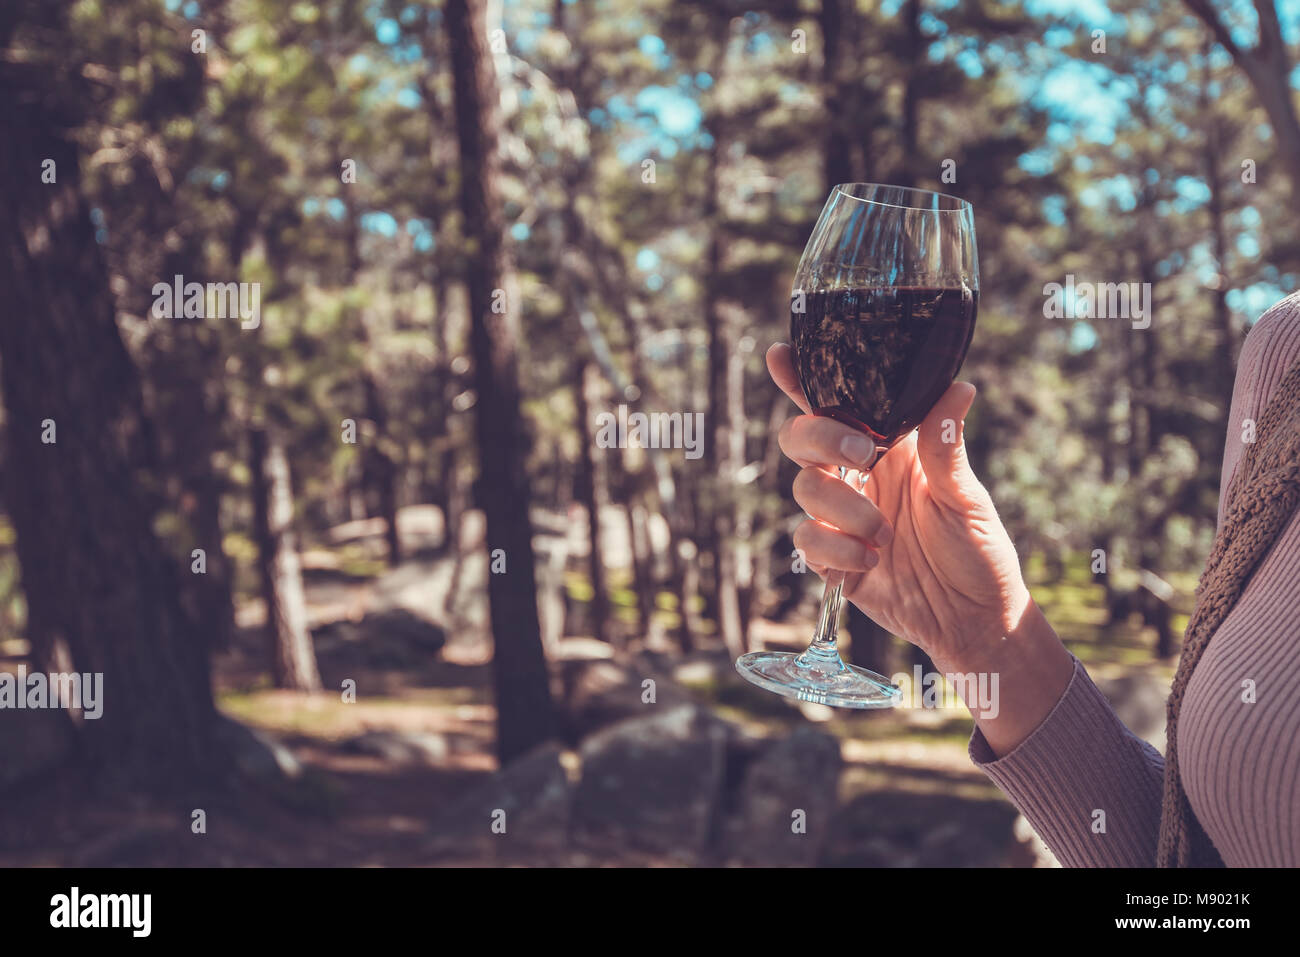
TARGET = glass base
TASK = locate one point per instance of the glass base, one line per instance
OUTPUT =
(818, 677)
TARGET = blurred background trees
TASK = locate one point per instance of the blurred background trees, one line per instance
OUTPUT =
(479, 225)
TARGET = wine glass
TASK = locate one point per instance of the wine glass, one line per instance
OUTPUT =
(881, 315)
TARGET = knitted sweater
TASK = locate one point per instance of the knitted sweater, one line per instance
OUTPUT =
(1239, 723)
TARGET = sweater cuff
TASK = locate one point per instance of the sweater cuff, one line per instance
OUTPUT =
(1080, 760)
(1080, 697)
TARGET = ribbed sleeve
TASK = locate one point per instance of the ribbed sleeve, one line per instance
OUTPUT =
(1088, 785)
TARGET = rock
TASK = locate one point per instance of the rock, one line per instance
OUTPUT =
(799, 773)
(704, 668)
(404, 625)
(393, 638)
(905, 829)
(134, 844)
(402, 747)
(744, 747)
(597, 693)
(652, 783)
(255, 753)
(530, 797)
(1139, 699)
(32, 741)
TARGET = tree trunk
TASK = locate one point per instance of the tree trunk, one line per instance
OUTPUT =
(1273, 87)
(687, 580)
(1151, 525)
(218, 597)
(726, 595)
(763, 537)
(1212, 160)
(293, 657)
(685, 554)
(589, 492)
(838, 163)
(525, 713)
(96, 578)
(380, 471)
(181, 376)
(643, 564)
(1267, 66)
(868, 642)
(457, 505)
(183, 373)
(906, 175)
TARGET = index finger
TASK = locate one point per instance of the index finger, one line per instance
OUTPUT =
(780, 365)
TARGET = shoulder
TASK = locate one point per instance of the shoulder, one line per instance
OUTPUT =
(1271, 347)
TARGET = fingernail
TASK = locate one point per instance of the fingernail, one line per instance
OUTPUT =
(884, 535)
(869, 559)
(857, 448)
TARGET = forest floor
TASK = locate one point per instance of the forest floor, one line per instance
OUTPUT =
(372, 773)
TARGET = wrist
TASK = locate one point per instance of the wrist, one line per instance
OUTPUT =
(1025, 636)
(1029, 667)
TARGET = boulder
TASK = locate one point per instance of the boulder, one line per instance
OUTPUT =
(906, 829)
(652, 783)
(786, 802)
(1139, 699)
(32, 741)
(393, 638)
(599, 692)
(401, 747)
(401, 624)
(523, 809)
(256, 753)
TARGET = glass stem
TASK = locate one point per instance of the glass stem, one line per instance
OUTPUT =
(823, 647)
(824, 638)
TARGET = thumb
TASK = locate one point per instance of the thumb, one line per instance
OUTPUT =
(941, 447)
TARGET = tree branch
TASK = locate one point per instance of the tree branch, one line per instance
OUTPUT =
(1210, 16)
(1270, 30)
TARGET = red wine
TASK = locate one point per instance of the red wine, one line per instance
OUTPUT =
(879, 359)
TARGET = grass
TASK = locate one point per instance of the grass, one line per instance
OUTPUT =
(1076, 606)
(327, 716)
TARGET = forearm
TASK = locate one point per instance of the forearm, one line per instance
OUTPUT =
(1032, 669)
